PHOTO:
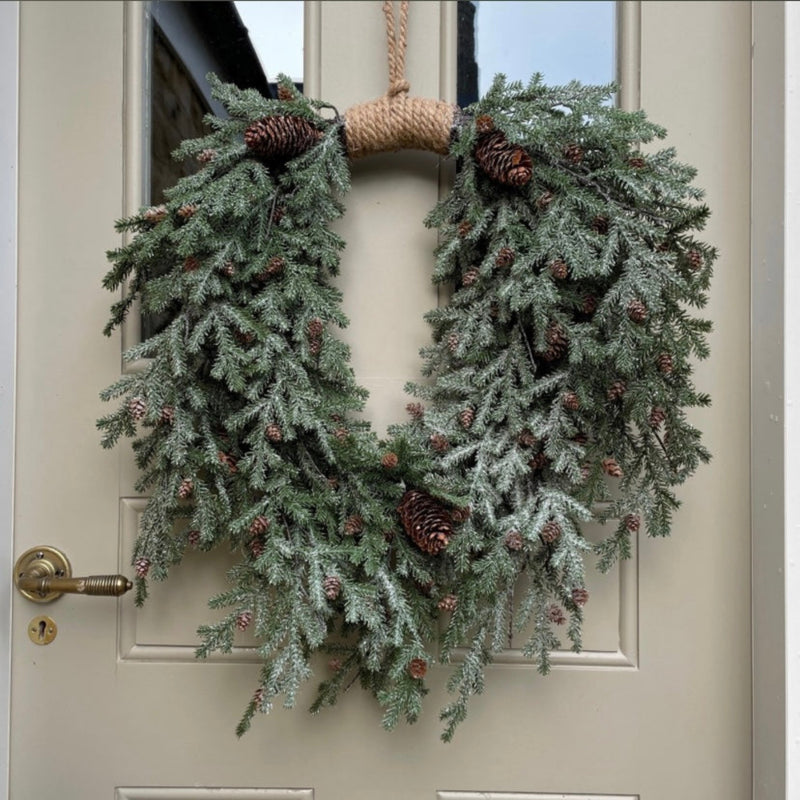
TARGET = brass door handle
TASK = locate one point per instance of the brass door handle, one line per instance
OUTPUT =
(43, 574)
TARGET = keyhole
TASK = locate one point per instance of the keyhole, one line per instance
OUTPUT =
(42, 628)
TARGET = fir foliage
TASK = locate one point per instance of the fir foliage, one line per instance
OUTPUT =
(559, 379)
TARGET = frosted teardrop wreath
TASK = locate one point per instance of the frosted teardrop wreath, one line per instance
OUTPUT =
(560, 376)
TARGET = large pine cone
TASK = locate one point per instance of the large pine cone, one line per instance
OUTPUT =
(280, 138)
(426, 521)
(502, 161)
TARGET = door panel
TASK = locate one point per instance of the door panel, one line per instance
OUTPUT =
(657, 707)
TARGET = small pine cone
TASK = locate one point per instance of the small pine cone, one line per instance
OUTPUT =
(505, 258)
(353, 525)
(459, 515)
(544, 200)
(424, 588)
(426, 521)
(526, 438)
(258, 698)
(256, 547)
(315, 328)
(571, 401)
(285, 94)
(245, 337)
(229, 461)
(448, 603)
(695, 259)
(589, 304)
(278, 214)
(335, 664)
(551, 532)
(464, 228)
(637, 311)
(142, 566)
(155, 214)
(555, 614)
(341, 434)
(274, 432)
(206, 156)
(600, 224)
(333, 483)
(167, 415)
(389, 460)
(557, 342)
(191, 264)
(415, 410)
(514, 541)
(559, 269)
(332, 587)
(632, 522)
(657, 416)
(228, 269)
(194, 538)
(187, 211)
(274, 267)
(137, 408)
(612, 468)
(665, 363)
(580, 438)
(439, 442)
(470, 277)
(243, 620)
(617, 390)
(580, 596)
(484, 124)
(586, 472)
(280, 138)
(259, 526)
(466, 418)
(573, 153)
(452, 342)
(502, 161)
(538, 462)
(185, 489)
(388, 536)
(637, 162)
(417, 668)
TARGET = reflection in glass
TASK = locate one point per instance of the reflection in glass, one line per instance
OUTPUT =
(564, 41)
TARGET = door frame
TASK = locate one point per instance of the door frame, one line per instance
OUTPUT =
(775, 418)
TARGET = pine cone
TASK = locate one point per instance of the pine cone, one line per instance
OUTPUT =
(503, 162)
(580, 438)
(557, 342)
(332, 587)
(466, 418)
(280, 138)
(274, 432)
(448, 603)
(665, 363)
(315, 328)
(573, 153)
(556, 615)
(259, 526)
(514, 541)
(206, 156)
(459, 515)
(580, 596)
(341, 433)
(526, 438)
(505, 258)
(142, 566)
(155, 214)
(612, 468)
(571, 401)
(551, 532)
(657, 416)
(544, 200)
(417, 668)
(137, 408)
(185, 489)
(389, 460)
(632, 522)
(452, 342)
(415, 410)
(695, 259)
(617, 390)
(600, 224)
(335, 664)
(187, 211)
(637, 311)
(484, 124)
(274, 267)
(353, 525)
(243, 620)
(256, 547)
(193, 538)
(229, 461)
(439, 443)
(464, 228)
(259, 698)
(191, 264)
(637, 162)
(470, 277)
(538, 462)
(589, 305)
(285, 94)
(559, 269)
(426, 521)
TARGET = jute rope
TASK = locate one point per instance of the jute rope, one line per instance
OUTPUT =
(396, 121)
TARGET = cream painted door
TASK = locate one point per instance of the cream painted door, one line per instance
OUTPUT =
(658, 707)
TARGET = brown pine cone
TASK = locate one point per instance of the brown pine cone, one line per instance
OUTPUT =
(571, 401)
(538, 462)
(228, 269)
(285, 94)
(464, 228)
(341, 434)
(466, 418)
(452, 342)
(260, 525)
(335, 664)
(256, 547)
(259, 698)
(185, 489)
(417, 668)
(142, 566)
(551, 532)
(448, 603)
(657, 416)
(665, 363)
(557, 342)
(501, 161)
(137, 408)
(600, 224)
(514, 541)
(243, 620)
(389, 460)
(274, 432)
(315, 328)
(459, 515)
(274, 267)
(556, 615)
(332, 586)
(280, 138)
(544, 200)
(612, 468)
(191, 264)
(632, 522)
(484, 124)
(426, 521)
(504, 258)
(229, 461)
(637, 311)
(193, 537)
(439, 442)
(353, 525)
(589, 305)
(695, 259)
(637, 162)
(155, 214)
(573, 153)
(526, 438)
(187, 211)
(206, 156)
(580, 596)
(470, 277)
(415, 410)
(617, 390)
(559, 269)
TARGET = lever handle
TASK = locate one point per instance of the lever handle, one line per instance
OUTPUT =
(43, 574)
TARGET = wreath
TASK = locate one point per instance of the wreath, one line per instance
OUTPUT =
(557, 384)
